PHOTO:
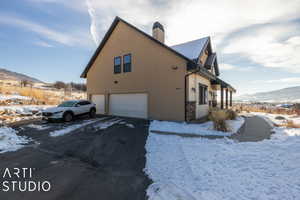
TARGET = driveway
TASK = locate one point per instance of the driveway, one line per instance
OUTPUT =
(87, 163)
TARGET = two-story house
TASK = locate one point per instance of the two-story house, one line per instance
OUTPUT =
(134, 74)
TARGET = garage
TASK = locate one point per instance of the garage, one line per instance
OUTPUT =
(99, 100)
(129, 105)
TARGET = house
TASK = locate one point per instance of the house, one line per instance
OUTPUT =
(137, 75)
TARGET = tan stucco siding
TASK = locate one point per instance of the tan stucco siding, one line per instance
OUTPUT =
(152, 72)
(194, 80)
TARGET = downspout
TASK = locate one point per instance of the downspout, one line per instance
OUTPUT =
(185, 91)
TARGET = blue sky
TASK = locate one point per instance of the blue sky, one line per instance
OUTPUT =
(257, 42)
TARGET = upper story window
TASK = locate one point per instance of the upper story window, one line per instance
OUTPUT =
(117, 65)
(127, 63)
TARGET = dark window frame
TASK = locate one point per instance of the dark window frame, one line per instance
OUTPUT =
(203, 94)
(127, 67)
(117, 68)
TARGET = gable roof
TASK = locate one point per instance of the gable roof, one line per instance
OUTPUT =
(192, 49)
(107, 35)
(192, 63)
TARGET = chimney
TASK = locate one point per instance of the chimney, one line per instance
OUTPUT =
(158, 32)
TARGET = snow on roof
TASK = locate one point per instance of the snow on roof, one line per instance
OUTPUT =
(191, 49)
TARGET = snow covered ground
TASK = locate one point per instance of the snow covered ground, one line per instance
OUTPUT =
(71, 128)
(13, 97)
(106, 124)
(272, 117)
(197, 129)
(10, 141)
(11, 114)
(199, 168)
(26, 109)
(98, 124)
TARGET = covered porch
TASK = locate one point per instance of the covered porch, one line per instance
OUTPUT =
(226, 93)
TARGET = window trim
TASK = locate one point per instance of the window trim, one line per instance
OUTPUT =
(202, 94)
(115, 71)
(129, 54)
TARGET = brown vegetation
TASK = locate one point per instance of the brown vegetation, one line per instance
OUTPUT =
(267, 109)
(39, 96)
(219, 117)
(291, 124)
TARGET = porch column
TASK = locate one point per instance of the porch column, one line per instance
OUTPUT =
(226, 100)
(222, 97)
(230, 102)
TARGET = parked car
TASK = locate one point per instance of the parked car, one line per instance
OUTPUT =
(67, 110)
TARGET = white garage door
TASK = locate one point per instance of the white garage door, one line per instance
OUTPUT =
(99, 100)
(128, 105)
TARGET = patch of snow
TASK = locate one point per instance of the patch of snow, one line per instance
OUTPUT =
(38, 127)
(106, 124)
(191, 49)
(129, 125)
(24, 109)
(13, 97)
(199, 168)
(71, 128)
(10, 141)
(197, 129)
(11, 114)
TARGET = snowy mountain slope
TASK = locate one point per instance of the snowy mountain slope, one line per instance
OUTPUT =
(10, 75)
(291, 94)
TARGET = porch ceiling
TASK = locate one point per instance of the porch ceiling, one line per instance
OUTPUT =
(218, 83)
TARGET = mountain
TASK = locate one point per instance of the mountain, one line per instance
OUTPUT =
(9, 75)
(291, 94)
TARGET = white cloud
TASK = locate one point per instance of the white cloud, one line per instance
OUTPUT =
(271, 46)
(230, 67)
(66, 38)
(295, 80)
(227, 67)
(286, 81)
(43, 44)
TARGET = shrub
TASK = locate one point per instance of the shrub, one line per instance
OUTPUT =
(218, 117)
(231, 115)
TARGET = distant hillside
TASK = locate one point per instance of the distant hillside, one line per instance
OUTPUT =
(9, 75)
(291, 94)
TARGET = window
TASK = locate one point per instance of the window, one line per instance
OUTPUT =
(127, 63)
(202, 94)
(83, 103)
(117, 65)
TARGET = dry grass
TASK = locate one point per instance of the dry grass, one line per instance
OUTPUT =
(267, 109)
(40, 96)
(231, 115)
(218, 117)
(291, 124)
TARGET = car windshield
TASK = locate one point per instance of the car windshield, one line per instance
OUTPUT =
(67, 104)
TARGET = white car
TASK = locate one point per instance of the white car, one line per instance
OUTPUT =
(69, 109)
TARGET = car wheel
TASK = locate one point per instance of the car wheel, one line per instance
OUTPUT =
(92, 113)
(68, 117)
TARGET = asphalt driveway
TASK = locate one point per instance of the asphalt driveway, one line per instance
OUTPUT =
(87, 163)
